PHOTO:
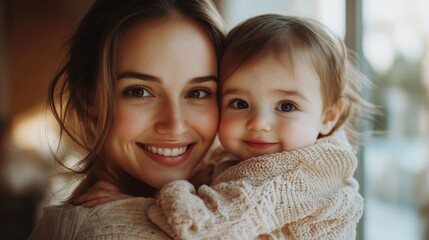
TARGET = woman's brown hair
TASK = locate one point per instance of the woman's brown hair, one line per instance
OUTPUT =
(82, 94)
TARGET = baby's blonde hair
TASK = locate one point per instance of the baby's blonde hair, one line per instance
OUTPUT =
(291, 38)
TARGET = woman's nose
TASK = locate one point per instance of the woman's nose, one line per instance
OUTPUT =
(171, 119)
(259, 121)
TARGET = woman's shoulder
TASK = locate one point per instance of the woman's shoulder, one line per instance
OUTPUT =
(125, 218)
(59, 222)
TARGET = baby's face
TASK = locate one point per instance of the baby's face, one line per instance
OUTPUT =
(267, 108)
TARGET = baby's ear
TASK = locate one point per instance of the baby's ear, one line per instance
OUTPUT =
(331, 117)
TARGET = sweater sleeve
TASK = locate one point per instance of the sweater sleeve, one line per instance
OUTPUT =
(122, 219)
(59, 222)
(292, 193)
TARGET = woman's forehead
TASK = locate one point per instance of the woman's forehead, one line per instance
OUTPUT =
(175, 49)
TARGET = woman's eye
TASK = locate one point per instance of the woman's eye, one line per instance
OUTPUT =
(286, 107)
(137, 92)
(198, 93)
(239, 104)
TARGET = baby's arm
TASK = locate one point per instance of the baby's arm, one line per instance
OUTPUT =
(231, 211)
(235, 210)
(310, 191)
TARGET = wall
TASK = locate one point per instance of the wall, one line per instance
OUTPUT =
(3, 74)
(36, 32)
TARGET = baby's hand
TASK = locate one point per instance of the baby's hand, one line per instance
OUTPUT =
(102, 192)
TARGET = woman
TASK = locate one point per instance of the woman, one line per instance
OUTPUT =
(137, 97)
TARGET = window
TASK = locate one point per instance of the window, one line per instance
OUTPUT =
(395, 43)
(394, 38)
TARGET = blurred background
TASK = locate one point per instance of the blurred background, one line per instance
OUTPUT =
(390, 37)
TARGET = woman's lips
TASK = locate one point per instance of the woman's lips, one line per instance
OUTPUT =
(170, 156)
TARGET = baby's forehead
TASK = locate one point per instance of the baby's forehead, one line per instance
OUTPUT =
(288, 55)
(273, 70)
(287, 59)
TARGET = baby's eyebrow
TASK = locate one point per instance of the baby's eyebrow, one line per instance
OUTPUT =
(292, 93)
(232, 91)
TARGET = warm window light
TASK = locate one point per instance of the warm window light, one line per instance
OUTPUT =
(408, 41)
(329, 12)
(33, 131)
(379, 50)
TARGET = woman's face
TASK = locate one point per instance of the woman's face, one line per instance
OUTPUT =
(167, 113)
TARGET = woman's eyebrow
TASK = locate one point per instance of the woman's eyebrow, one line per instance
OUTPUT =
(137, 75)
(147, 77)
(203, 79)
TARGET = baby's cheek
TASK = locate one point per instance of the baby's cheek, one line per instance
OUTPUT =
(223, 132)
(295, 138)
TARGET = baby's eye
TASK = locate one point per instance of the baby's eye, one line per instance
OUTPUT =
(136, 92)
(286, 107)
(198, 93)
(239, 104)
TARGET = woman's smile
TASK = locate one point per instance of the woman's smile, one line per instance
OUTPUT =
(169, 156)
(167, 152)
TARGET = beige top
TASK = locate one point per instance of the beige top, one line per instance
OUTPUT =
(304, 194)
(308, 193)
(123, 219)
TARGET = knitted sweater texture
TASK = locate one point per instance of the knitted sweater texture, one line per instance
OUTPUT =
(309, 193)
(304, 194)
(119, 220)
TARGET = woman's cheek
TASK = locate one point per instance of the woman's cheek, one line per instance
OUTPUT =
(131, 121)
(208, 122)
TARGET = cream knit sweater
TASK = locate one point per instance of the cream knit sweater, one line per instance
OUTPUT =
(120, 220)
(304, 194)
(308, 193)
